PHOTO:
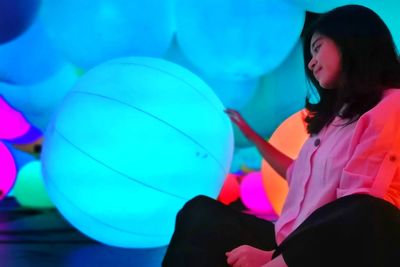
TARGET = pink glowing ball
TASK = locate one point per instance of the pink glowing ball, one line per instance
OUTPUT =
(253, 195)
(15, 123)
(12, 125)
(8, 171)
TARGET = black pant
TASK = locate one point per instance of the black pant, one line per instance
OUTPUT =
(353, 231)
(205, 229)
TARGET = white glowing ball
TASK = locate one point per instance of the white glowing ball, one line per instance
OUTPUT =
(130, 144)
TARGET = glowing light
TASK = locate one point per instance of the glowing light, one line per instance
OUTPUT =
(237, 39)
(130, 144)
(281, 93)
(230, 190)
(253, 195)
(29, 189)
(288, 138)
(30, 58)
(90, 32)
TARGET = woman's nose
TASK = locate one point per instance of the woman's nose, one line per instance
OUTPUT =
(311, 64)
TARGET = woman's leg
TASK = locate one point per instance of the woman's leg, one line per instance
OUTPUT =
(205, 229)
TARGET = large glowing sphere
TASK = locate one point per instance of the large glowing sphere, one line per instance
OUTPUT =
(91, 31)
(29, 58)
(289, 137)
(29, 189)
(237, 39)
(130, 144)
(15, 17)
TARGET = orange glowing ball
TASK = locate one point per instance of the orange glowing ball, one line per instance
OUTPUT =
(289, 137)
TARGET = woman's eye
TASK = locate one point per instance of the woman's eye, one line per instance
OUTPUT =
(316, 48)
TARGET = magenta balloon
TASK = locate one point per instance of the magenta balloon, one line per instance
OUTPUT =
(12, 123)
(8, 171)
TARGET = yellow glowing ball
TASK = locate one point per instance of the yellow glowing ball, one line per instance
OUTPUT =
(288, 138)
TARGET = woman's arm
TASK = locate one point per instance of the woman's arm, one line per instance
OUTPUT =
(278, 161)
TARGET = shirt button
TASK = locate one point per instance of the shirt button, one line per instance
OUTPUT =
(392, 158)
(317, 142)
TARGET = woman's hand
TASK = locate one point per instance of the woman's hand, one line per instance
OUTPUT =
(248, 256)
(241, 123)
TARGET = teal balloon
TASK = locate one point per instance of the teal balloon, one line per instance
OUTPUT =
(29, 58)
(38, 101)
(282, 92)
(132, 130)
(15, 17)
(319, 6)
(233, 93)
(92, 31)
(239, 39)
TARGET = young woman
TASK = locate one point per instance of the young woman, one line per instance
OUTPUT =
(344, 187)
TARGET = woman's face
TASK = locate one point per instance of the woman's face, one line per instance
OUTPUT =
(325, 63)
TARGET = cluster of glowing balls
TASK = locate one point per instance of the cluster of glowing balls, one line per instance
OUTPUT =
(289, 137)
(237, 39)
(30, 58)
(15, 17)
(29, 189)
(281, 93)
(253, 195)
(38, 101)
(12, 125)
(91, 31)
(132, 142)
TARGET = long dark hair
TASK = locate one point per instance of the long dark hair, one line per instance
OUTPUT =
(369, 64)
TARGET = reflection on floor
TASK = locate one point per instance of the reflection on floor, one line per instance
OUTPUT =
(33, 238)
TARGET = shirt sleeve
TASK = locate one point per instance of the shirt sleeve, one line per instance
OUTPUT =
(375, 153)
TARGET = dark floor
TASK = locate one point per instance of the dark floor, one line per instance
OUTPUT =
(30, 238)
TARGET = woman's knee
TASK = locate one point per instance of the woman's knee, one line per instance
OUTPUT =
(200, 207)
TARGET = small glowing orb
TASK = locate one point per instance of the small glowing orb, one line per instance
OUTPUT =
(230, 190)
(253, 195)
(8, 171)
(289, 137)
(29, 189)
(130, 144)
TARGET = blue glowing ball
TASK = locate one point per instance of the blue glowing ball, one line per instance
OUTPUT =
(234, 93)
(130, 144)
(91, 31)
(281, 93)
(38, 101)
(30, 58)
(15, 17)
(237, 39)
